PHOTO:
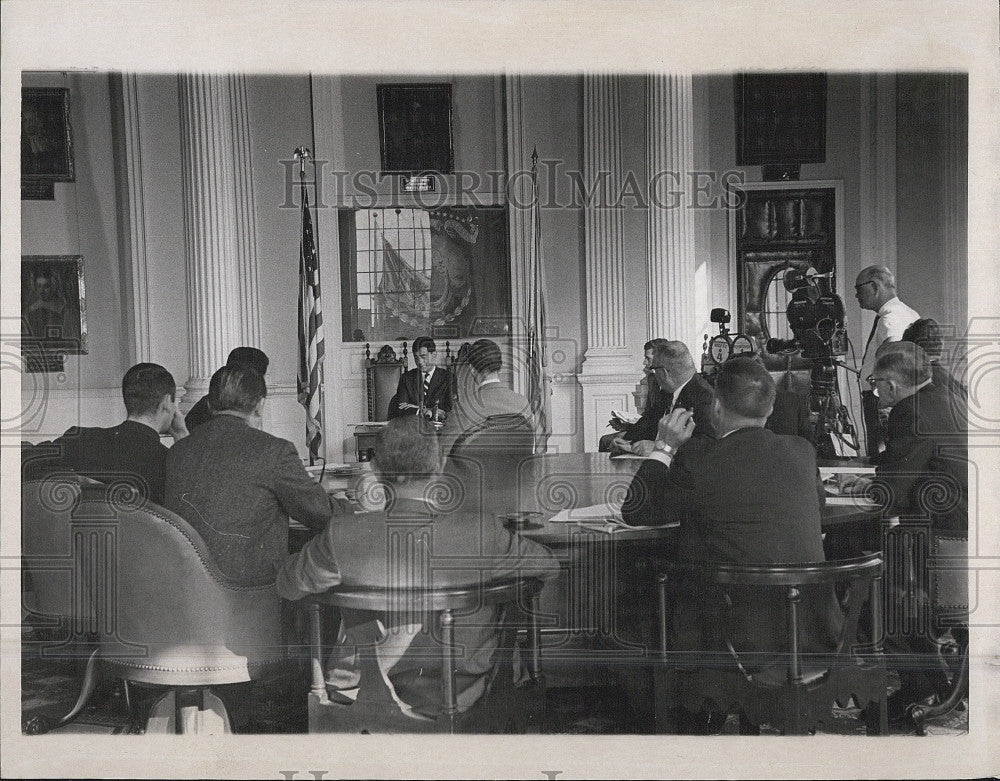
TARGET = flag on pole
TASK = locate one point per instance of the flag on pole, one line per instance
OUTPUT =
(538, 392)
(310, 376)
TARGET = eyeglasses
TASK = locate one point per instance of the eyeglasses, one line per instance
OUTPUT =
(872, 379)
(869, 282)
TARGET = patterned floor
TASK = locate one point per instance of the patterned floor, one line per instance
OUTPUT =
(50, 686)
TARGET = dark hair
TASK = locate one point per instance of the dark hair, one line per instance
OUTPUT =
(238, 387)
(654, 344)
(745, 387)
(906, 363)
(926, 333)
(424, 341)
(250, 356)
(407, 447)
(144, 386)
(484, 356)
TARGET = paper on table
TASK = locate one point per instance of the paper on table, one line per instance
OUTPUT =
(598, 517)
(628, 456)
(628, 417)
(854, 501)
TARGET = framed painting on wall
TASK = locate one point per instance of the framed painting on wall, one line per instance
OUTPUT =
(46, 138)
(53, 310)
(414, 128)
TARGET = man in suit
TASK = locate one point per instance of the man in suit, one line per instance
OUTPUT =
(657, 402)
(487, 397)
(675, 373)
(237, 485)
(922, 478)
(875, 289)
(251, 356)
(748, 497)
(130, 451)
(426, 388)
(413, 543)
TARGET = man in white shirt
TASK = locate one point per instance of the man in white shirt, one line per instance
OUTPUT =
(875, 289)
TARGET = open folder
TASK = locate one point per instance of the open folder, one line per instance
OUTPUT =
(598, 517)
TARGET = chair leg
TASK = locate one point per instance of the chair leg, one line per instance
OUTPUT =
(922, 713)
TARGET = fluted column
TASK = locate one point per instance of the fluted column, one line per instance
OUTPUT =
(670, 249)
(608, 371)
(218, 224)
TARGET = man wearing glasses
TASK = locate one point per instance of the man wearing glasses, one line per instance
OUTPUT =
(875, 289)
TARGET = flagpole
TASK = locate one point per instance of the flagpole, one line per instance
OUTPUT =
(311, 344)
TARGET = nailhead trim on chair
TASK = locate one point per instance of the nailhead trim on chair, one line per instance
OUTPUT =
(205, 669)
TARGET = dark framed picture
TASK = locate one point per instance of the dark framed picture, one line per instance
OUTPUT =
(414, 127)
(53, 304)
(46, 137)
(780, 118)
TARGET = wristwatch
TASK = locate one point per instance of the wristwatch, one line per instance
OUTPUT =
(663, 447)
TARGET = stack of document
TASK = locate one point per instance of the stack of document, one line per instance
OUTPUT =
(598, 517)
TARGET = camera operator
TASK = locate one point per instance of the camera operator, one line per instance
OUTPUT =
(875, 289)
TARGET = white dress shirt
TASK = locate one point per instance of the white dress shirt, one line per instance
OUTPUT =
(894, 317)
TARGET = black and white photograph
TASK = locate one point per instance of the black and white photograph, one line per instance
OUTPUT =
(534, 405)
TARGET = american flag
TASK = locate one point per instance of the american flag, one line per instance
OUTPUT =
(310, 378)
(538, 392)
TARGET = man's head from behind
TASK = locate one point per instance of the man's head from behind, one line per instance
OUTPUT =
(406, 451)
(671, 364)
(926, 333)
(149, 393)
(250, 356)
(485, 357)
(238, 389)
(874, 286)
(744, 394)
(900, 371)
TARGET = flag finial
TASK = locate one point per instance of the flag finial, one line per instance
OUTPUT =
(302, 154)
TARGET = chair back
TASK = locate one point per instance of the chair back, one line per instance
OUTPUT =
(147, 584)
(382, 375)
(949, 578)
(792, 688)
(487, 460)
(376, 709)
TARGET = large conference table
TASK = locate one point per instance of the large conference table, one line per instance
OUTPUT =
(608, 571)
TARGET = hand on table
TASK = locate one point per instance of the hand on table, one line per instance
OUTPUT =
(407, 405)
(675, 428)
(178, 428)
(617, 423)
(620, 445)
(643, 447)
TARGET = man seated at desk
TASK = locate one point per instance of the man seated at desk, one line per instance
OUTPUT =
(657, 402)
(487, 397)
(748, 497)
(674, 371)
(237, 485)
(426, 387)
(411, 543)
(131, 450)
(922, 478)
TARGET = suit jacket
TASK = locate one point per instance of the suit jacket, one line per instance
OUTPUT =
(482, 402)
(657, 402)
(751, 497)
(410, 544)
(923, 469)
(198, 414)
(697, 395)
(130, 451)
(943, 378)
(411, 390)
(237, 486)
(790, 415)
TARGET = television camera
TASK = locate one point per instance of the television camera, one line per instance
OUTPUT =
(816, 316)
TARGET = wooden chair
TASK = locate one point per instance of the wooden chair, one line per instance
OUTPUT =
(144, 581)
(382, 375)
(948, 570)
(504, 707)
(790, 690)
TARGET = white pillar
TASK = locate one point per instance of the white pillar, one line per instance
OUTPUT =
(220, 245)
(608, 373)
(671, 306)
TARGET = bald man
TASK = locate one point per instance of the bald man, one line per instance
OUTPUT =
(875, 289)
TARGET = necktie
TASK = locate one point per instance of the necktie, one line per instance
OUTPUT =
(427, 383)
(871, 335)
